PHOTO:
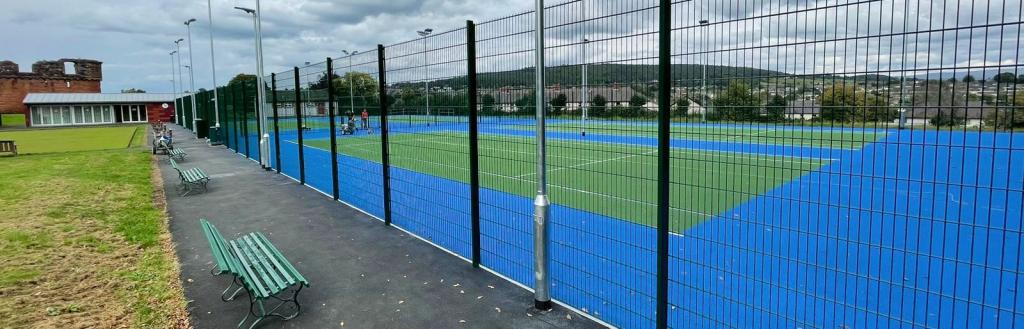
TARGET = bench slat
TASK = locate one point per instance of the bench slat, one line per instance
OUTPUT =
(273, 258)
(262, 277)
(248, 275)
(284, 263)
(261, 260)
(217, 247)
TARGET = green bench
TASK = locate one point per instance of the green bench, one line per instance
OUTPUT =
(176, 154)
(260, 269)
(190, 178)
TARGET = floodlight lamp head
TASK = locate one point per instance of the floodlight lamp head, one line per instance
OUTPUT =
(190, 21)
(247, 10)
(703, 22)
(179, 40)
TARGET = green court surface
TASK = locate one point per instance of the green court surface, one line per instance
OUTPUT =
(75, 139)
(609, 179)
(809, 136)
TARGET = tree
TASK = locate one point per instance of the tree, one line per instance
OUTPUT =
(133, 91)
(943, 118)
(636, 106)
(1005, 77)
(599, 106)
(487, 105)
(361, 91)
(242, 78)
(737, 103)
(776, 109)
(526, 105)
(847, 103)
(682, 107)
(558, 104)
(1008, 118)
(969, 78)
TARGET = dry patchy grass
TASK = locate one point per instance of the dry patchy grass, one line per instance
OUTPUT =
(84, 243)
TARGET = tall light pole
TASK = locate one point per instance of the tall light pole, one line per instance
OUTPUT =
(181, 81)
(426, 75)
(174, 86)
(704, 72)
(213, 69)
(191, 72)
(351, 82)
(260, 91)
(583, 94)
(541, 204)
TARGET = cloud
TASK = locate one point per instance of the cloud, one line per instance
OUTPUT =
(133, 37)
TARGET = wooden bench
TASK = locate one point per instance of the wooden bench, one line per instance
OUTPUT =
(190, 178)
(258, 267)
(8, 147)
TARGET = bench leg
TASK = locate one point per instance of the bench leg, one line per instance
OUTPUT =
(259, 311)
(234, 281)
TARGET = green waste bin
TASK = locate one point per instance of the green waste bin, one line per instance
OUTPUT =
(202, 128)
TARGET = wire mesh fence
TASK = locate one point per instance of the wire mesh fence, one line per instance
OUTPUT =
(813, 164)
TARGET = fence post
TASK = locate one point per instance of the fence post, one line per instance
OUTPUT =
(245, 119)
(664, 134)
(330, 114)
(300, 126)
(474, 147)
(234, 117)
(277, 128)
(385, 163)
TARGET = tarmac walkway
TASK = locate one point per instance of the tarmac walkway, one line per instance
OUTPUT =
(362, 273)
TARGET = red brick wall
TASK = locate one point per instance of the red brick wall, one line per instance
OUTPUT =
(157, 113)
(12, 90)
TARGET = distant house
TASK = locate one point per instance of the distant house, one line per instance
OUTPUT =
(802, 109)
(972, 114)
(506, 97)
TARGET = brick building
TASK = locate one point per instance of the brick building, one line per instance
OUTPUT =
(60, 76)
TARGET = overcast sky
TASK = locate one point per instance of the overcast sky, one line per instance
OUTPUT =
(133, 37)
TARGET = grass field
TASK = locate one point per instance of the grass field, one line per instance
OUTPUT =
(609, 179)
(75, 139)
(13, 120)
(84, 243)
(811, 136)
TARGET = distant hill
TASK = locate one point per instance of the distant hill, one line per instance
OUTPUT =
(598, 74)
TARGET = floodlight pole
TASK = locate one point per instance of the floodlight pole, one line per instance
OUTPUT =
(541, 204)
(174, 87)
(426, 74)
(191, 73)
(261, 93)
(213, 70)
(704, 72)
(181, 80)
(583, 93)
(351, 82)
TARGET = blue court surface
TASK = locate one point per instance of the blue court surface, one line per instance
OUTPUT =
(918, 229)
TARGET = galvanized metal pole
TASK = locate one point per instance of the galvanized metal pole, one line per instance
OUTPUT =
(583, 94)
(262, 91)
(181, 83)
(174, 87)
(541, 204)
(213, 69)
(191, 74)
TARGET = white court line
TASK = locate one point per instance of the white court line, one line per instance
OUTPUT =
(592, 162)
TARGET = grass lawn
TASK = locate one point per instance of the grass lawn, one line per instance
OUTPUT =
(767, 134)
(84, 243)
(75, 139)
(13, 120)
(609, 179)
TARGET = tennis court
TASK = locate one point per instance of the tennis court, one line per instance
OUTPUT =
(751, 219)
